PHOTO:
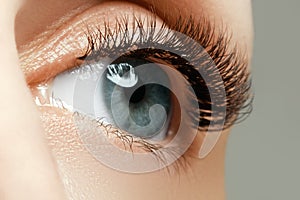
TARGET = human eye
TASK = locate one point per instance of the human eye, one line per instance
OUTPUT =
(141, 91)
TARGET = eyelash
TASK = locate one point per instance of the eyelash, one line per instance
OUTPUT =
(231, 64)
(237, 84)
(128, 141)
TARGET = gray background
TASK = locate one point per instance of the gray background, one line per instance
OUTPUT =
(263, 156)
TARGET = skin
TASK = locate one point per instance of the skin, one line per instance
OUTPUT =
(40, 154)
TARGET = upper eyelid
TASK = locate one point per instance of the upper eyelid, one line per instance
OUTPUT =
(235, 61)
(35, 57)
(58, 51)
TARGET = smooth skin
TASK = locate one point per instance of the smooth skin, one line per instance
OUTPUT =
(38, 160)
(27, 168)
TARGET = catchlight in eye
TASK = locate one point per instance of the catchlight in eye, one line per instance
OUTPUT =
(138, 100)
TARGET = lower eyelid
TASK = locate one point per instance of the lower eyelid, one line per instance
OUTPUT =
(66, 144)
(80, 169)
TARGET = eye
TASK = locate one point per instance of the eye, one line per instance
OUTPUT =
(131, 93)
(145, 102)
(140, 82)
(151, 88)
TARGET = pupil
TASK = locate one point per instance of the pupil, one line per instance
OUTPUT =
(137, 95)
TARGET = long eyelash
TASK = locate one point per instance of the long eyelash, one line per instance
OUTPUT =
(129, 141)
(231, 65)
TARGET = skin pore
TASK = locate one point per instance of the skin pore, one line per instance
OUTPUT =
(41, 156)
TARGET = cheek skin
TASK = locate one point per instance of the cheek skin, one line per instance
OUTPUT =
(85, 176)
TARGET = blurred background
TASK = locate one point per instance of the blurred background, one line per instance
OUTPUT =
(263, 156)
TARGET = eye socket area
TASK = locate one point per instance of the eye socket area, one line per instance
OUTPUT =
(208, 117)
(56, 62)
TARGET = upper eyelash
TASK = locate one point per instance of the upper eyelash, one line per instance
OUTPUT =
(231, 64)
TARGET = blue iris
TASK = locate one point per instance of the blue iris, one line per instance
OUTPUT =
(138, 107)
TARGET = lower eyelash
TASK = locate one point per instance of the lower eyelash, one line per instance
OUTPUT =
(129, 142)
